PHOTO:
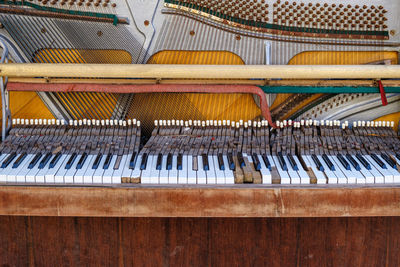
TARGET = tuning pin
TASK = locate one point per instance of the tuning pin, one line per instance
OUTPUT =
(233, 124)
(307, 123)
(195, 123)
(203, 123)
(224, 122)
(190, 122)
(259, 124)
(241, 122)
(129, 122)
(75, 123)
(354, 124)
(387, 123)
(134, 122)
(89, 122)
(107, 122)
(111, 122)
(368, 124)
(384, 123)
(63, 122)
(138, 123)
(57, 122)
(343, 126)
(80, 122)
(14, 121)
(322, 123)
(330, 123)
(363, 123)
(237, 124)
(98, 122)
(219, 123)
(124, 123)
(212, 123)
(228, 122)
(207, 122)
(285, 123)
(102, 122)
(181, 122)
(173, 122)
(380, 123)
(245, 125)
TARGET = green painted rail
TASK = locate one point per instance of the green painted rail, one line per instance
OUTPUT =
(326, 90)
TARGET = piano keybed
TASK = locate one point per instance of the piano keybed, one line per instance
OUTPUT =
(224, 152)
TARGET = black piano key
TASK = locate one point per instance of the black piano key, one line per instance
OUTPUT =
(55, 159)
(71, 161)
(344, 162)
(377, 160)
(363, 161)
(44, 161)
(97, 161)
(81, 161)
(34, 160)
(328, 162)
(19, 160)
(132, 161)
(240, 159)
(388, 160)
(169, 161)
(179, 162)
(292, 162)
(266, 161)
(353, 162)
(256, 162)
(8, 160)
(107, 162)
(231, 162)
(317, 162)
(282, 161)
(398, 156)
(206, 167)
(143, 164)
(221, 163)
(159, 161)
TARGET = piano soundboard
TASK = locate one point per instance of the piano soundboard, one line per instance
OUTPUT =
(104, 152)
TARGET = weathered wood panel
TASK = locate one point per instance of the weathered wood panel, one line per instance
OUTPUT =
(239, 201)
(68, 241)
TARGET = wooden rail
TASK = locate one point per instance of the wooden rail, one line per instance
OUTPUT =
(201, 201)
(161, 71)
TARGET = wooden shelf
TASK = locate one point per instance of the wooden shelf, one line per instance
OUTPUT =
(204, 201)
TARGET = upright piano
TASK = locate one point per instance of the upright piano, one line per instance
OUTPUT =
(200, 132)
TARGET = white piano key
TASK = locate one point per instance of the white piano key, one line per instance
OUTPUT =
(394, 172)
(126, 172)
(342, 176)
(321, 178)
(388, 177)
(146, 173)
(60, 175)
(5, 171)
(173, 173)
(219, 174)
(49, 177)
(285, 178)
(183, 174)
(117, 174)
(164, 172)
(192, 175)
(294, 176)
(304, 178)
(369, 177)
(211, 176)
(201, 174)
(30, 176)
(229, 178)
(70, 173)
(89, 173)
(154, 173)
(332, 178)
(98, 173)
(40, 176)
(108, 174)
(80, 173)
(22, 170)
(136, 173)
(265, 173)
(378, 177)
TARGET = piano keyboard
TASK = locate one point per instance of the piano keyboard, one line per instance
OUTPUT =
(107, 152)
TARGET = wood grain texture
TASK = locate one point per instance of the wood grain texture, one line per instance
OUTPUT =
(238, 201)
(68, 241)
